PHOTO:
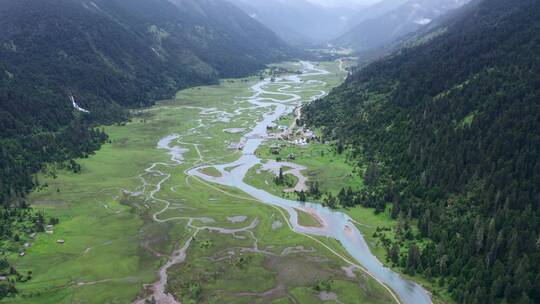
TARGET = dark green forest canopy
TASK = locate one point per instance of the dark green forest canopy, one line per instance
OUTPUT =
(108, 54)
(453, 128)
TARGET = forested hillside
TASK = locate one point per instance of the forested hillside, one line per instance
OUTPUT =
(450, 134)
(107, 54)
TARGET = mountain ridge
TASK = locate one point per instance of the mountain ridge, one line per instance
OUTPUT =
(404, 17)
(299, 22)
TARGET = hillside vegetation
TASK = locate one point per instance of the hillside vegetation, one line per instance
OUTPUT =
(450, 134)
(108, 55)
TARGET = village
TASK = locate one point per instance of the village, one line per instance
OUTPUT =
(292, 133)
(286, 130)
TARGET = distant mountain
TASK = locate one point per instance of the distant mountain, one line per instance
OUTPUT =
(298, 21)
(449, 131)
(374, 32)
(374, 11)
(108, 54)
(414, 39)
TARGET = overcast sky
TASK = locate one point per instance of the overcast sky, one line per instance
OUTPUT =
(334, 3)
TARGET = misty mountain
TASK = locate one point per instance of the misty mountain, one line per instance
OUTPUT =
(406, 18)
(298, 21)
(108, 54)
(414, 39)
(374, 11)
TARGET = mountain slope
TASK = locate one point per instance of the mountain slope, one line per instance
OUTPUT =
(108, 54)
(191, 43)
(406, 18)
(450, 130)
(414, 39)
(375, 11)
(298, 21)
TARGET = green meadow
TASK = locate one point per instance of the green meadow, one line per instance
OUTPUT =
(324, 165)
(132, 206)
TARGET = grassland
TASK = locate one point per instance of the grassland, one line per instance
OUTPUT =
(266, 180)
(307, 220)
(333, 171)
(117, 235)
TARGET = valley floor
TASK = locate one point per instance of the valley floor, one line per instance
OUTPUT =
(134, 225)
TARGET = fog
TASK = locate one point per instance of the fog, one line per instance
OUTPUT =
(302, 22)
(347, 24)
(344, 3)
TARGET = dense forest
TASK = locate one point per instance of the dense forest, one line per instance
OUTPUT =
(449, 131)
